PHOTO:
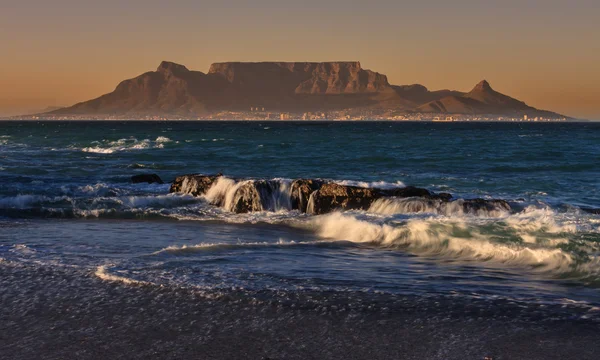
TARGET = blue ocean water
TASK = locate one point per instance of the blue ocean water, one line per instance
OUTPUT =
(66, 200)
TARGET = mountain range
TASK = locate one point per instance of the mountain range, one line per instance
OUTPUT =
(173, 89)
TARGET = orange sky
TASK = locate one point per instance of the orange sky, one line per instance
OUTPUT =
(545, 53)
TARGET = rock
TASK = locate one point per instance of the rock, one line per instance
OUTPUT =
(193, 184)
(409, 191)
(146, 178)
(300, 192)
(444, 196)
(590, 210)
(251, 196)
(485, 205)
(287, 78)
(331, 197)
(318, 197)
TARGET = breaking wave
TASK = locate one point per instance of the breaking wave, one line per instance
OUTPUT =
(373, 184)
(391, 206)
(533, 238)
(272, 195)
(109, 147)
(103, 273)
(182, 249)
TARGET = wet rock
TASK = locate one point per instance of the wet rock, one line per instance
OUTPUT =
(590, 210)
(411, 191)
(331, 197)
(318, 197)
(444, 196)
(146, 178)
(251, 196)
(301, 190)
(193, 184)
(474, 206)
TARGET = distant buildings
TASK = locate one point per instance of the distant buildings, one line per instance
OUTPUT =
(258, 113)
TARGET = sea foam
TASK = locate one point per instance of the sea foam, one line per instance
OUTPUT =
(454, 238)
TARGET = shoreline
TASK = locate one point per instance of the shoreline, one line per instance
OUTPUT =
(51, 312)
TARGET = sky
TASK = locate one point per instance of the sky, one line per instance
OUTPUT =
(544, 52)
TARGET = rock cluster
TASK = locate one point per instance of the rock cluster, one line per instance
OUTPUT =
(314, 196)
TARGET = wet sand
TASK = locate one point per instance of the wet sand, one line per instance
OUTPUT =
(60, 313)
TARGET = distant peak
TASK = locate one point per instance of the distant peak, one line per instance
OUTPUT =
(483, 86)
(171, 67)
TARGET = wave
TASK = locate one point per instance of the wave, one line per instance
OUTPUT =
(96, 206)
(259, 195)
(182, 249)
(533, 239)
(103, 273)
(109, 147)
(391, 206)
(162, 139)
(373, 184)
(28, 201)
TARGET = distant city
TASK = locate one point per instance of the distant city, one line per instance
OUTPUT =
(263, 114)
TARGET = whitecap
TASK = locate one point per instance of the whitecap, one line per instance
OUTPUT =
(181, 249)
(453, 238)
(162, 139)
(373, 184)
(103, 273)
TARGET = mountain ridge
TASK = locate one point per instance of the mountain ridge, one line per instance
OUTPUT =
(287, 86)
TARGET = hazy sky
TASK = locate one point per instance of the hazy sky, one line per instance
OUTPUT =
(545, 52)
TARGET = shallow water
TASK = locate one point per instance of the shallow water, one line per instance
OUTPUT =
(66, 201)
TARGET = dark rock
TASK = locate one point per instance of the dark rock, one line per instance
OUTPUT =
(409, 191)
(251, 197)
(331, 197)
(444, 196)
(193, 184)
(478, 205)
(590, 210)
(317, 197)
(301, 190)
(146, 178)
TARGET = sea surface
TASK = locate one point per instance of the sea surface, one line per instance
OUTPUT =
(67, 202)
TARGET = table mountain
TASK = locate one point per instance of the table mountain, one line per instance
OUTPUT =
(173, 89)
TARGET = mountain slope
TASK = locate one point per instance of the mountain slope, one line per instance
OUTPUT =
(173, 89)
(482, 99)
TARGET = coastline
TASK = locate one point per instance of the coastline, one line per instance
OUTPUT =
(66, 313)
(95, 266)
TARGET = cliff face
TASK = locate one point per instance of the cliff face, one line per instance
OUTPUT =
(301, 77)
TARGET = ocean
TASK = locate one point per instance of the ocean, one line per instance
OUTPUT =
(75, 231)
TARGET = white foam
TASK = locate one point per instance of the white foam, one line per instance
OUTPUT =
(162, 139)
(374, 184)
(281, 198)
(102, 273)
(222, 192)
(124, 145)
(392, 206)
(534, 219)
(455, 239)
(177, 249)
(98, 150)
(22, 249)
